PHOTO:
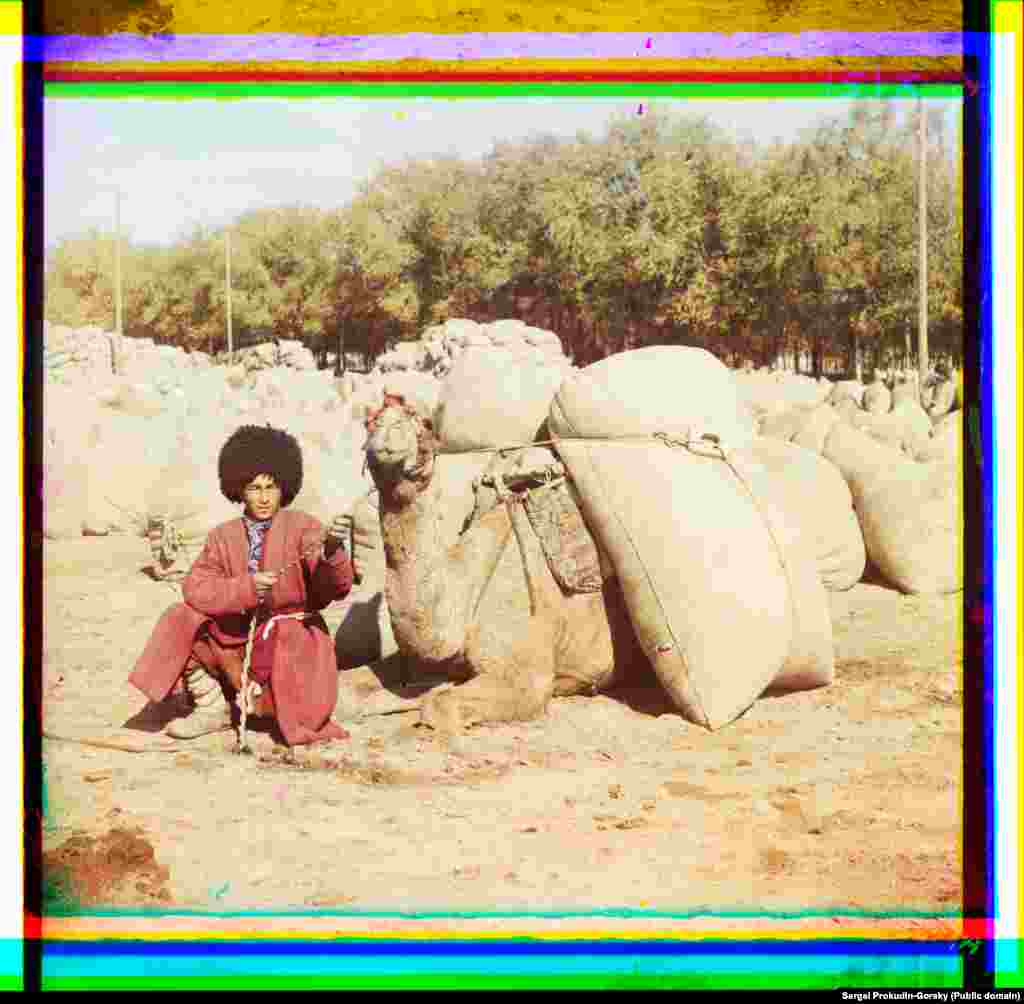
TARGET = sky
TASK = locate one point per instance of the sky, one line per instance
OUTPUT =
(179, 164)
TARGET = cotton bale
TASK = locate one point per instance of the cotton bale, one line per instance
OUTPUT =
(811, 550)
(943, 399)
(816, 499)
(852, 389)
(507, 325)
(422, 390)
(72, 430)
(235, 376)
(911, 513)
(815, 429)
(493, 399)
(877, 398)
(368, 396)
(404, 356)
(131, 398)
(906, 388)
(906, 427)
(784, 425)
(703, 580)
(508, 338)
(946, 442)
(459, 327)
(185, 487)
(543, 339)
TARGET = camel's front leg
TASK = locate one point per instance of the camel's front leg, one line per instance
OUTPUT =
(381, 689)
(514, 657)
(518, 690)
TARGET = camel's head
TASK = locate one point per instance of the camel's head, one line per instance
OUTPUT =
(400, 445)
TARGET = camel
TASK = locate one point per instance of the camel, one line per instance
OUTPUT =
(504, 634)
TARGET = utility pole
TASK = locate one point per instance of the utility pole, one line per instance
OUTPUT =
(117, 262)
(227, 284)
(922, 213)
(118, 315)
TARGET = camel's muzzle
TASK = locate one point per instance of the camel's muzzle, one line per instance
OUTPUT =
(389, 464)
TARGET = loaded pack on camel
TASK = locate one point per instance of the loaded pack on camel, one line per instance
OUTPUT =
(648, 534)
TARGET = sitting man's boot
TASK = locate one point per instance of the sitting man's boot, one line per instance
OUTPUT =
(210, 709)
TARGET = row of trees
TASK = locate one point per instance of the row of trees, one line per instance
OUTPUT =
(662, 231)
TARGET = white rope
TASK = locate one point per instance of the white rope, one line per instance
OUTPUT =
(250, 690)
(242, 700)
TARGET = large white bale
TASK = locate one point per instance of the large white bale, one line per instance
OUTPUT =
(68, 491)
(507, 325)
(852, 389)
(187, 491)
(129, 398)
(813, 494)
(404, 356)
(460, 327)
(421, 390)
(906, 427)
(547, 341)
(815, 430)
(705, 591)
(333, 462)
(296, 356)
(803, 553)
(906, 388)
(784, 425)
(703, 580)
(877, 398)
(947, 439)
(674, 390)
(490, 398)
(943, 399)
(911, 514)
(768, 394)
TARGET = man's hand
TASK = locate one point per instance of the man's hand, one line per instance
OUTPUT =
(336, 534)
(264, 582)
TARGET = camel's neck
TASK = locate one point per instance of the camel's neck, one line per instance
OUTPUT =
(432, 584)
(410, 523)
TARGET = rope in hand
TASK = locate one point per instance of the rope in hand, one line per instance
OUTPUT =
(244, 694)
(250, 689)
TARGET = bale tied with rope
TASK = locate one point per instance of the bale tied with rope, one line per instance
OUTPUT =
(724, 602)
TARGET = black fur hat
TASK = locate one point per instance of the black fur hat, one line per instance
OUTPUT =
(260, 449)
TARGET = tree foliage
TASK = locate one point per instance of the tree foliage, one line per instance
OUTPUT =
(661, 231)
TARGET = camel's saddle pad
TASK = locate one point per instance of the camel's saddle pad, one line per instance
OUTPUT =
(564, 537)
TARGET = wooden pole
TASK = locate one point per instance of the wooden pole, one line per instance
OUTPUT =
(922, 212)
(115, 338)
(227, 287)
(117, 262)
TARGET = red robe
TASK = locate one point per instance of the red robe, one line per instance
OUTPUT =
(219, 592)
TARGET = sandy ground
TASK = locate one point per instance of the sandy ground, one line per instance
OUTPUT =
(843, 798)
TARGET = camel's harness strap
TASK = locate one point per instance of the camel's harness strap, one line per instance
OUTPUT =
(704, 444)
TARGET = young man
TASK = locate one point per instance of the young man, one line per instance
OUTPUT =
(268, 564)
